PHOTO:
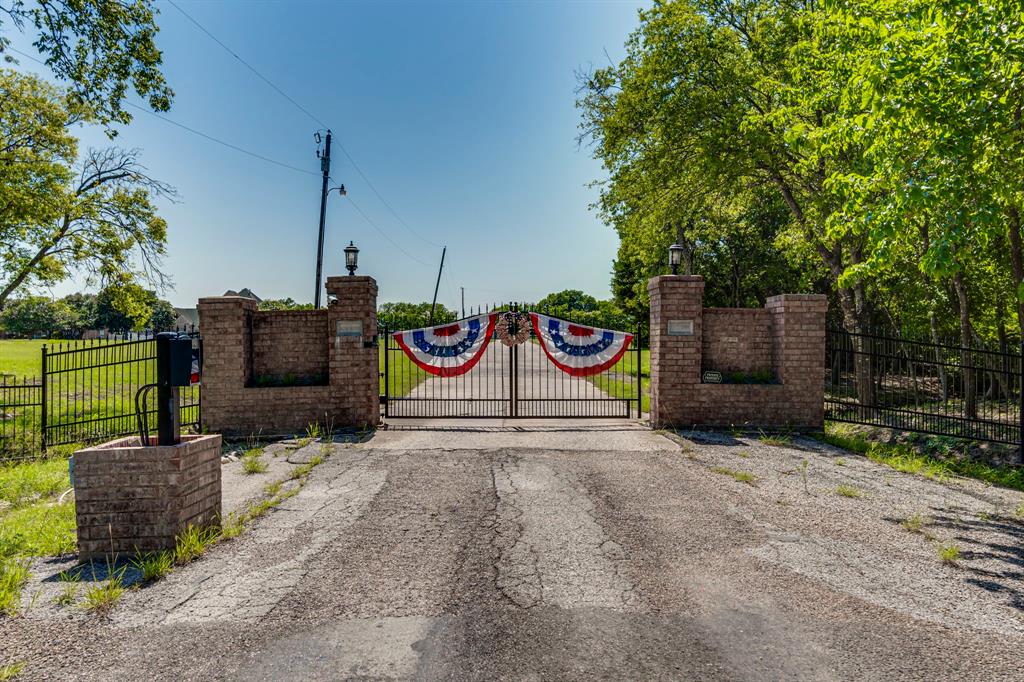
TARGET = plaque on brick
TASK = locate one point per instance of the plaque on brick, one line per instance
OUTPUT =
(711, 376)
(349, 328)
(680, 327)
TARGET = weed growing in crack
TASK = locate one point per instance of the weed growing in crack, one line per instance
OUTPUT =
(102, 596)
(13, 576)
(778, 440)
(67, 596)
(949, 554)
(71, 575)
(252, 462)
(272, 488)
(153, 565)
(9, 671)
(741, 476)
(192, 543)
(803, 475)
(840, 462)
(849, 491)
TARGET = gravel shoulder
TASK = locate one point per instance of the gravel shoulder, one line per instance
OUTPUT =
(576, 551)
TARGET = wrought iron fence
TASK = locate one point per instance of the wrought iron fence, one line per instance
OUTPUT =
(21, 406)
(86, 394)
(913, 385)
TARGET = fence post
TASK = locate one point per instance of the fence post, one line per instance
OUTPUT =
(42, 410)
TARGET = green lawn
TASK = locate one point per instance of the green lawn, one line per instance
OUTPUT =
(21, 357)
(404, 373)
(34, 524)
(618, 382)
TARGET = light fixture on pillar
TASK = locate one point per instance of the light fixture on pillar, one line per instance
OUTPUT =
(675, 257)
(351, 258)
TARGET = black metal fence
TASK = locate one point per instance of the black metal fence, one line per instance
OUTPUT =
(86, 393)
(923, 386)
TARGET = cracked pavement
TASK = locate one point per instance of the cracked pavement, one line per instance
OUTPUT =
(569, 550)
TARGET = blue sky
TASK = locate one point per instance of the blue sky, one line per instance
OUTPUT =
(460, 114)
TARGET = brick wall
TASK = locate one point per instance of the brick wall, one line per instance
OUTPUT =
(298, 343)
(737, 340)
(132, 499)
(289, 343)
(787, 337)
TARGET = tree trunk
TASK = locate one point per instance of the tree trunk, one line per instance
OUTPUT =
(970, 392)
(1016, 260)
(939, 360)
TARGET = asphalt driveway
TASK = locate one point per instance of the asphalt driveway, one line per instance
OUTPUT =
(574, 551)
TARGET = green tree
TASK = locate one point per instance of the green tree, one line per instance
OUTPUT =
(96, 218)
(84, 308)
(101, 48)
(401, 315)
(283, 304)
(35, 316)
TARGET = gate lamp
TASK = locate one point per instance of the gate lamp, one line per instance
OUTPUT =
(351, 258)
(675, 257)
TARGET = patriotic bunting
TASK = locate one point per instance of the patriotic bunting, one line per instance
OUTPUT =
(579, 350)
(449, 350)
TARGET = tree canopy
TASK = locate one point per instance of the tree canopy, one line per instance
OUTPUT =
(868, 149)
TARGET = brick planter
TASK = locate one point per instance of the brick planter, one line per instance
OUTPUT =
(130, 498)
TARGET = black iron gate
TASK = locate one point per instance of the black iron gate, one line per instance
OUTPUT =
(510, 382)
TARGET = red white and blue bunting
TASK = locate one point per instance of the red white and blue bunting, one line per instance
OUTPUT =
(578, 350)
(449, 350)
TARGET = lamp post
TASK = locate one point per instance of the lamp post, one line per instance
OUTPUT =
(675, 257)
(351, 258)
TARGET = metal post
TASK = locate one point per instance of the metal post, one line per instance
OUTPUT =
(436, 285)
(639, 375)
(387, 374)
(168, 416)
(42, 414)
(325, 166)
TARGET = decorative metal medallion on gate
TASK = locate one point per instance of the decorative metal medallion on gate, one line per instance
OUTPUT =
(579, 350)
(449, 350)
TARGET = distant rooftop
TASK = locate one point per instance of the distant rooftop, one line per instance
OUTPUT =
(244, 293)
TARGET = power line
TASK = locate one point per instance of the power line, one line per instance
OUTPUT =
(248, 65)
(211, 138)
(386, 236)
(313, 117)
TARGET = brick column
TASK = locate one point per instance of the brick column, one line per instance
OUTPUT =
(355, 386)
(799, 354)
(675, 359)
(227, 363)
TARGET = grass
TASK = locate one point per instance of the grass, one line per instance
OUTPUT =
(9, 671)
(67, 596)
(915, 523)
(252, 462)
(193, 543)
(403, 375)
(154, 565)
(949, 554)
(849, 491)
(28, 481)
(619, 381)
(23, 357)
(908, 460)
(779, 440)
(741, 476)
(102, 596)
(13, 576)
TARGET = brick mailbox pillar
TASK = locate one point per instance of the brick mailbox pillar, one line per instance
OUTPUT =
(132, 499)
(352, 335)
(729, 367)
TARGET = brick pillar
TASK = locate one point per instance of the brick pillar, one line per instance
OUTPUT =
(798, 329)
(675, 358)
(355, 386)
(224, 322)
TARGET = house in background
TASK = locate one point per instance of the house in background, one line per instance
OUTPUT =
(244, 293)
(186, 317)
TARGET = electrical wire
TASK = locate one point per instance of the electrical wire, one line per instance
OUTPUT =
(312, 117)
(385, 234)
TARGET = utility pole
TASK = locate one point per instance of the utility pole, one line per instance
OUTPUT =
(436, 285)
(463, 289)
(325, 166)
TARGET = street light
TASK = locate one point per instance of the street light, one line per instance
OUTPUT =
(351, 258)
(675, 257)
